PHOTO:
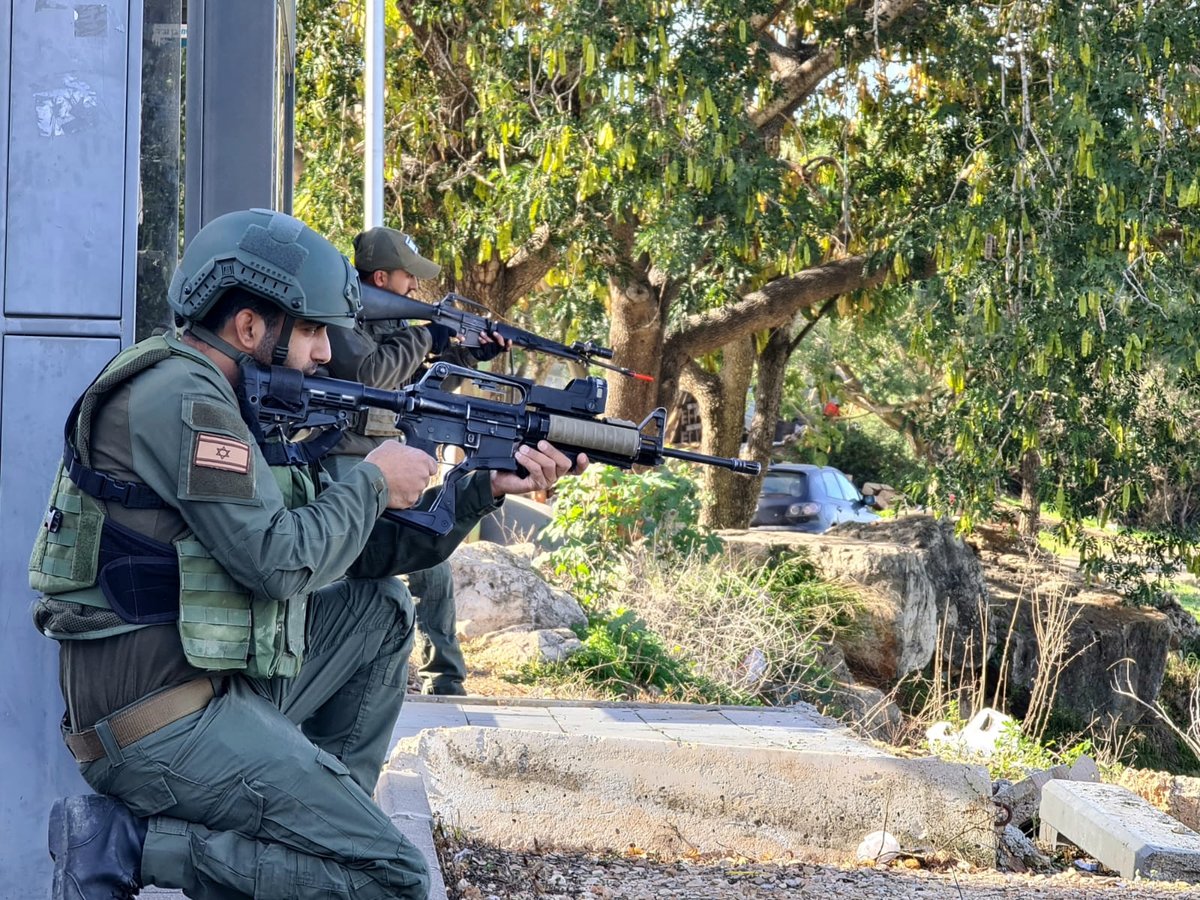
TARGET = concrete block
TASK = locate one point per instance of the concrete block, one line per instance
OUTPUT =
(511, 788)
(1120, 829)
(401, 794)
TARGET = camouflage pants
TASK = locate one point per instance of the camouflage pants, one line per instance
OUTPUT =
(243, 803)
(439, 657)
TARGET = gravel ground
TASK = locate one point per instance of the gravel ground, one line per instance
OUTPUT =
(478, 872)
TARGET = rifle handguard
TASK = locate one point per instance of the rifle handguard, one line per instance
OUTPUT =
(622, 440)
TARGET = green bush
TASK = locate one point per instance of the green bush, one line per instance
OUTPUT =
(622, 659)
(601, 514)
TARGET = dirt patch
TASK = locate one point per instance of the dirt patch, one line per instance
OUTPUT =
(475, 871)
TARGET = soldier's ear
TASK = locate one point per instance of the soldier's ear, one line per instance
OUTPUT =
(379, 278)
(248, 329)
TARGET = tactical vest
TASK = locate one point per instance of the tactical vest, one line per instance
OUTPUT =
(80, 556)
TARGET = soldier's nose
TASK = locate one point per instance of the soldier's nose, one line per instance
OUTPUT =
(322, 352)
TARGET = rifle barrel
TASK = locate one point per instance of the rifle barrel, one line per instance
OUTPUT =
(741, 466)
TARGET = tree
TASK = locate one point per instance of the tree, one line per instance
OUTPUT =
(638, 161)
(1073, 275)
(1061, 325)
(696, 173)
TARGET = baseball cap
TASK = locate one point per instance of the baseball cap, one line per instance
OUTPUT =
(388, 249)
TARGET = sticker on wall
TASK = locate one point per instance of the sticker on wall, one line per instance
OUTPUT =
(65, 110)
(91, 20)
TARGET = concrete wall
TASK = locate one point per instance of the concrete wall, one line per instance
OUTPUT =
(69, 87)
(71, 92)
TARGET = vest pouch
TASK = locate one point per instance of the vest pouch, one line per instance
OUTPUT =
(66, 552)
(278, 638)
(377, 423)
(215, 623)
(142, 590)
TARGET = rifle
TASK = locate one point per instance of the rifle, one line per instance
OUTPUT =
(488, 429)
(469, 320)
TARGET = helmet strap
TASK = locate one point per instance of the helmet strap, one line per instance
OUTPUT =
(217, 343)
(280, 353)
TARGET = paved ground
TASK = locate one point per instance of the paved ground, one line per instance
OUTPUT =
(476, 871)
(795, 728)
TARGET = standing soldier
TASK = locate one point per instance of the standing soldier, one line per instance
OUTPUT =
(387, 355)
(208, 602)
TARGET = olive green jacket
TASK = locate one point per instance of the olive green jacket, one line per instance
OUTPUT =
(165, 427)
(177, 428)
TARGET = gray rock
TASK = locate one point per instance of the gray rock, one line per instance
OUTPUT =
(869, 709)
(1025, 796)
(495, 589)
(1017, 853)
(921, 583)
(1104, 633)
(518, 646)
(918, 574)
(1084, 769)
(1185, 630)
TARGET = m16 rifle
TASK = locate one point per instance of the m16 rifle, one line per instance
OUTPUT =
(470, 320)
(487, 429)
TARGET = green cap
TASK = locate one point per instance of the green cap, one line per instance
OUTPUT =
(388, 249)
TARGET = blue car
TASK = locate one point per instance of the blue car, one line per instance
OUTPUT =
(803, 497)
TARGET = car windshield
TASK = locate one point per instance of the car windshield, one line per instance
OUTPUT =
(794, 484)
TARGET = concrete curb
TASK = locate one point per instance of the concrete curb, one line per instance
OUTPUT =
(514, 787)
(400, 793)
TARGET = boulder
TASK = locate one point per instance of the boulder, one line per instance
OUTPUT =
(495, 589)
(921, 587)
(1103, 635)
(873, 713)
(917, 575)
(518, 646)
(1185, 630)
(1023, 798)
(1017, 853)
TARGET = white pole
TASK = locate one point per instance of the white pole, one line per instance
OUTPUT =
(373, 118)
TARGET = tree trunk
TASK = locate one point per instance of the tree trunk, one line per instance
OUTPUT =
(637, 332)
(722, 401)
(768, 397)
(1029, 518)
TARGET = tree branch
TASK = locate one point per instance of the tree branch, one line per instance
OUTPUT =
(797, 76)
(455, 86)
(525, 269)
(770, 306)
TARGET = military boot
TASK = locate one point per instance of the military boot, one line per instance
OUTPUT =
(96, 844)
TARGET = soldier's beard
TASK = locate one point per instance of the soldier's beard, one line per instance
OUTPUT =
(264, 353)
(265, 350)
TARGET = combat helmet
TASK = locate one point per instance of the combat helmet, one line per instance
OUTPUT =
(272, 255)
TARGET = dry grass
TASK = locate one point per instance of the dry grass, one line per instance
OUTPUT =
(752, 629)
(1188, 733)
(959, 686)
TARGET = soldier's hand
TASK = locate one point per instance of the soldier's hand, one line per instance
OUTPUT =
(490, 346)
(406, 469)
(545, 465)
